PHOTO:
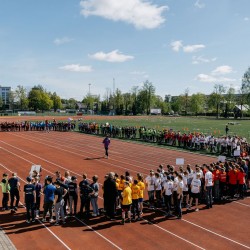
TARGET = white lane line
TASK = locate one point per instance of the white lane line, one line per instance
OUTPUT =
(112, 243)
(179, 237)
(155, 225)
(165, 230)
(207, 230)
(75, 218)
(66, 246)
(115, 165)
(241, 203)
(212, 232)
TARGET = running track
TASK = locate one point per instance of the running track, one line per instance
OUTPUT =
(223, 227)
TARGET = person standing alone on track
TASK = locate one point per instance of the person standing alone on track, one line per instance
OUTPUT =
(106, 143)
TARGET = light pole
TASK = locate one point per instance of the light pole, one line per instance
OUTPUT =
(89, 88)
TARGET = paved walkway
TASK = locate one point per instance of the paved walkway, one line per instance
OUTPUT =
(5, 242)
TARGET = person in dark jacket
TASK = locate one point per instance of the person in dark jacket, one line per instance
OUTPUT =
(110, 194)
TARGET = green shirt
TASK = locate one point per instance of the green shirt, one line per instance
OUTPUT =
(5, 187)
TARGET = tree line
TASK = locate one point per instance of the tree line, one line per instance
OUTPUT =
(140, 100)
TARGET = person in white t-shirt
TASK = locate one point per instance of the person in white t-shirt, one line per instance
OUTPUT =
(167, 192)
(195, 192)
(158, 189)
(175, 185)
(150, 184)
(185, 188)
(208, 187)
(180, 187)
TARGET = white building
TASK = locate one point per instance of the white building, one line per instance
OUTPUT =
(5, 94)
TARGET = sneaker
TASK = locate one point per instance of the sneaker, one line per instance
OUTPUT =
(28, 221)
(37, 217)
(64, 222)
(56, 224)
(33, 220)
(94, 215)
(197, 209)
(122, 222)
(15, 208)
(128, 221)
(51, 220)
(43, 220)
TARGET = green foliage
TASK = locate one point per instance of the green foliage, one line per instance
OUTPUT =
(39, 99)
(197, 103)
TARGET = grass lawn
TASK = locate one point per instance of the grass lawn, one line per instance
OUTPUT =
(183, 124)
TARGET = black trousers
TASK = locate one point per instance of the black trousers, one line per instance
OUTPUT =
(168, 203)
(85, 203)
(5, 200)
(14, 194)
(106, 151)
(110, 209)
(30, 209)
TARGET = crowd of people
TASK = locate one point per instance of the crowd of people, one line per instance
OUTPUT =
(45, 125)
(224, 145)
(171, 189)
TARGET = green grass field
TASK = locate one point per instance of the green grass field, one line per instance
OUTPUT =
(183, 124)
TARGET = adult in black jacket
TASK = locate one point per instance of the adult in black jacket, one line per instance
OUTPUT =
(110, 194)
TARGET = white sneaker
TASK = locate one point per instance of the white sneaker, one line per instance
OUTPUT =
(43, 220)
(51, 220)
(94, 215)
(197, 209)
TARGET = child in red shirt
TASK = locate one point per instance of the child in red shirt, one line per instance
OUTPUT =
(241, 179)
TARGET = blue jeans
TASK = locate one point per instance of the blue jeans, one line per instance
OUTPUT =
(178, 207)
(209, 196)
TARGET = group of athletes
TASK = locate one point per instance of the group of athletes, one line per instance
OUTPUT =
(170, 189)
(45, 125)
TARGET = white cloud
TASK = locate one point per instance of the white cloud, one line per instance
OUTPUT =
(140, 13)
(77, 68)
(113, 56)
(199, 5)
(246, 19)
(216, 76)
(201, 59)
(213, 79)
(193, 48)
(176, 45)
(60, 41)
(222, 70)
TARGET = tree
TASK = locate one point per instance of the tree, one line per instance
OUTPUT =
(197, 102)
(176, 104)
(118, 102)
(128, 102)
(56, 100)
(216, 98)
(229, 101)
(21, 97)
(244, 92)
(39, 99)
(184, 101)
(146, 95)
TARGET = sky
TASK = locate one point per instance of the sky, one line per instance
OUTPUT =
(73, 46)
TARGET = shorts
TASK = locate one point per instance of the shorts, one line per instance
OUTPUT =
(140, 200)
(126, 208)
(195, 195)
(185, 192)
